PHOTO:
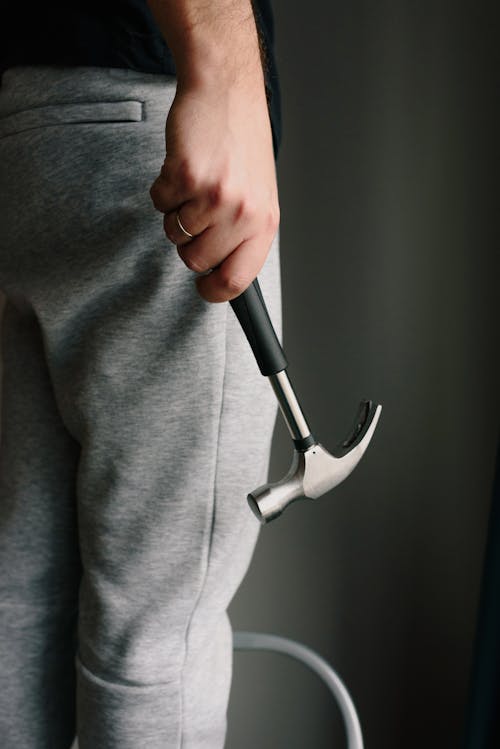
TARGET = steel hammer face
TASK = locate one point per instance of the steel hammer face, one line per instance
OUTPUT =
(314, 471)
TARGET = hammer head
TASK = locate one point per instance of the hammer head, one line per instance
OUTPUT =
(315, 471)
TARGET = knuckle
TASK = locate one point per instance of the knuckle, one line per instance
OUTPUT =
(214, 195)
(234, 284)
(245, 210)
(218, 194)
(187, 176)
(249, 211)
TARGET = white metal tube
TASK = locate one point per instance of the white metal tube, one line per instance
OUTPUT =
(263, 641)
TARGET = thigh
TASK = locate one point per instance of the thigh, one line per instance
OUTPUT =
(39, 558)
(38, 460)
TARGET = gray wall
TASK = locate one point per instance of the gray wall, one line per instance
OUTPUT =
(389, 293)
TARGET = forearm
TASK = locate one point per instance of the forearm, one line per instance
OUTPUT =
(211, 40)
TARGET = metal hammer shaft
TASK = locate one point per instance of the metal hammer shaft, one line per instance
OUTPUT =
(291, 410)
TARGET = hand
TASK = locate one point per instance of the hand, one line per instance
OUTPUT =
(219, 173)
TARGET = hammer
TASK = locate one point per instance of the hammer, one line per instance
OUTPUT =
(314, 470)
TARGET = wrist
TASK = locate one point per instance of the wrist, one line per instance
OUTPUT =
(203, 61)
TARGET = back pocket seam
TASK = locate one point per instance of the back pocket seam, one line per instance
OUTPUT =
(74, 113)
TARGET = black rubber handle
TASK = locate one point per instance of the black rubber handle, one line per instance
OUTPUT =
(251, 311)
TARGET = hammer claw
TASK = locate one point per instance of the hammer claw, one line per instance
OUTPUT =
(314, 471)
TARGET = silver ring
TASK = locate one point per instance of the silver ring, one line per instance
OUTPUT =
(183, 230)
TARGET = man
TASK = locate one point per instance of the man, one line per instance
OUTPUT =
(134, 418)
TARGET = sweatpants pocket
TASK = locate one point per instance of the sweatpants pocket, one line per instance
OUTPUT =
(66, 114)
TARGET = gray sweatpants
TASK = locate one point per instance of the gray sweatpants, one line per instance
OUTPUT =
(134, 422)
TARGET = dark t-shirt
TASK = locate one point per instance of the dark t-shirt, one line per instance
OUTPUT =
(112, 33)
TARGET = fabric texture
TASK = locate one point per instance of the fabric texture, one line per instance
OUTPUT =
(134, 422)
